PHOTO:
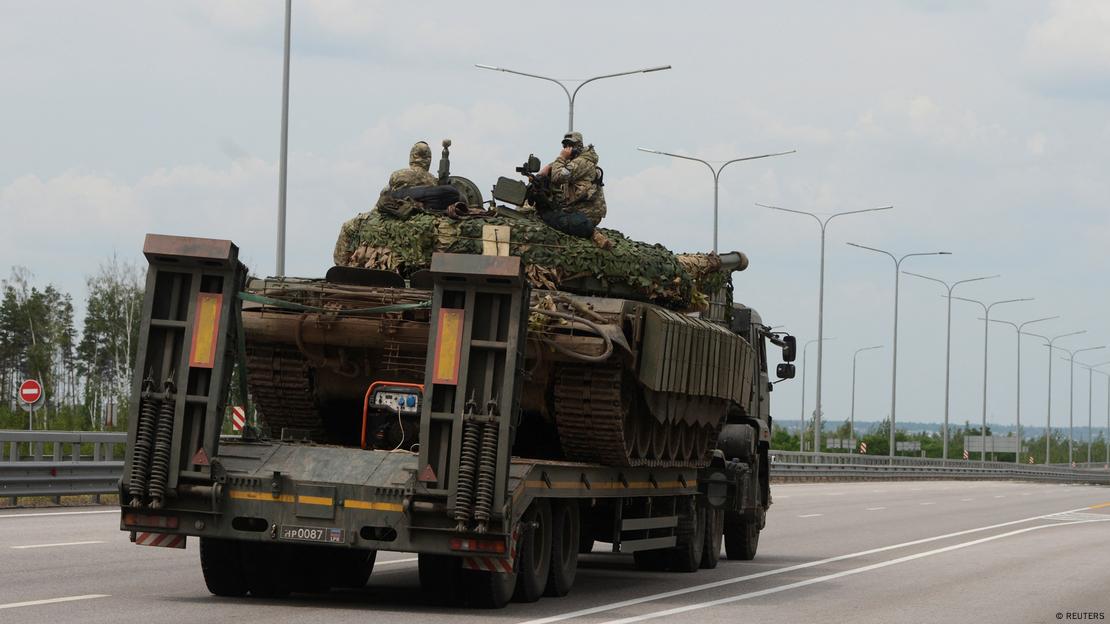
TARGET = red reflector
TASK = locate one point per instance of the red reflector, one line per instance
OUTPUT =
(145, 520)
(474, 545)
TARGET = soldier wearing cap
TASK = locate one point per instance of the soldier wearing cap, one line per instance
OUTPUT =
(577, 179)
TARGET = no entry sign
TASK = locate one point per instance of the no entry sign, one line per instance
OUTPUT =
(30, 392)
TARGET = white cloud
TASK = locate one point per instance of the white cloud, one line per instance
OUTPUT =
(1070, 50)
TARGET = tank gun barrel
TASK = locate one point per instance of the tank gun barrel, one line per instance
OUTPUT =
(733, 261)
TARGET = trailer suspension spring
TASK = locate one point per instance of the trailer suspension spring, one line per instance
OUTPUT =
(483, 503)
(468, 466)
(144, 443)
(163, 442)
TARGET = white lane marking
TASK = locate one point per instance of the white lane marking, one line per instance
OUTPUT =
(834, 493)
(60, 513)
(793, 568)
(1000, 496)
(1026, 493)
(875, 508)
(810, 515)
(58, 544)
(830, 577)
(930, 503)
(392, 561)
(31, 603)
(966, 499)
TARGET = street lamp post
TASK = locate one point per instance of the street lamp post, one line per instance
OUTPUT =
(1051, 344)
(1018, 329)
(284, 157)
(1090, 404)
(582, 82)
(894, 357)
(716, 175)
(948, 342)
(802, 420)
(986, 335)
(821, 306)
(852, 417)
(1071, 397)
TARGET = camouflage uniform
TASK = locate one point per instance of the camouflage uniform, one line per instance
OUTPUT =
(416, 174)
(576, 181)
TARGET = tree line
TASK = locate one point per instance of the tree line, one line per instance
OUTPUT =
(85, 371)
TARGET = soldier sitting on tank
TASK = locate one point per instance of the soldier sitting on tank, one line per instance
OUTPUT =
(418, 183)
(577, 188)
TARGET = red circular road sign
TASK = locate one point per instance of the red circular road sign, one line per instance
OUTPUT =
(30, 391)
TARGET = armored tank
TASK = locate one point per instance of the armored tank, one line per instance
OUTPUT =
(634, 356)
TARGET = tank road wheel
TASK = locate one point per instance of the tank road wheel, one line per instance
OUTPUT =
(441, 577)
(741, 537)
(686, 556)
(690, 436)
(534, 555)
(660, 436)
(565, 543)
(645, 429)
(714, 536)
(677, 435)
(222, 566)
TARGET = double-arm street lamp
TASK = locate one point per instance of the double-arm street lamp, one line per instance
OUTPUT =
(986, 335)
(581, 83)
(852, 417)
(716, 175)
(1071, 393)
(948, 342)
(1018, 327)
(1051, 344)
(894, 358)
(823, 223)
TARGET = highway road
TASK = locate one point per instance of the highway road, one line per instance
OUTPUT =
(845, 552)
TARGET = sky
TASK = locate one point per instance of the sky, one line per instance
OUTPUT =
(984, 123)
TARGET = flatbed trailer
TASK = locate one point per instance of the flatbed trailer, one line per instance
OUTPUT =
(284, 515)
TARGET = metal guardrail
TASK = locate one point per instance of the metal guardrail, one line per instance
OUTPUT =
(63, 463)
(59, 463)
(796, 465)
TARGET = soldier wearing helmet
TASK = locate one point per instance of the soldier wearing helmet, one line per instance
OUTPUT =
(577, 180)
(417, 173)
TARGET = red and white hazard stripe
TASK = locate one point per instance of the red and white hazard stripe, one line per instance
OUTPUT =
(164, 540)
(494, 564)
(238, 418)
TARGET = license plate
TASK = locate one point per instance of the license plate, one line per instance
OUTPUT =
(324, 535)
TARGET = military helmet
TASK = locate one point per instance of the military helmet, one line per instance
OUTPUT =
(573, 139)
(420, 155)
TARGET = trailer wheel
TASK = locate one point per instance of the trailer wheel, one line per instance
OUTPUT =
(266, 570)
(488, 590)
(565, 529)
(534, 558)
(686, 556)
(442, 577)
(352, 568)
(714, 535)
(741, 537)
(222, 567)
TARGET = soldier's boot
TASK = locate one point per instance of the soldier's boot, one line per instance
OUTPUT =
(602, 240)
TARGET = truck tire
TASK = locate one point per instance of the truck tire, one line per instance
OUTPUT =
(686, 556)
(741, 537)
(222, 567)
(534, 556)
(441, 577)
(266, 570)
(352, 568)
(488, 590)
(565, 544)
(714, 535)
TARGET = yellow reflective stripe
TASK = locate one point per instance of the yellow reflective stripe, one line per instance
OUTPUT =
(632, 485)
(260, 496)
(315, 500)
(373, 506)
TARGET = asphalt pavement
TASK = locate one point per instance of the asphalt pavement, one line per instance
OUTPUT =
(857, 552)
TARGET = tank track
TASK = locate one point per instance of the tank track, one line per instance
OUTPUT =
(599, 419)
(280, 382)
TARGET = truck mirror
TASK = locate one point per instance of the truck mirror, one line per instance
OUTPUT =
(789, 348)
(785, 371)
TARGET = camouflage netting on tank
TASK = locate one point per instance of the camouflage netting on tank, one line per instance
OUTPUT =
(554, 260)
